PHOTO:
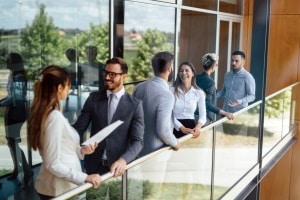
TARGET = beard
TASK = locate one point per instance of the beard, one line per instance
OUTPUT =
(170, 77)
(112, 85)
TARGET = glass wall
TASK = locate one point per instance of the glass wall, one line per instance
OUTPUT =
(72, 34)
(77, 35)
(145, 34)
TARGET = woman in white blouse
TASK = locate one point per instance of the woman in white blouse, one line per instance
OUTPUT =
(57, 142)
(188, 98)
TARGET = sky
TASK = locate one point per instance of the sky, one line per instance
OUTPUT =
(15, 14)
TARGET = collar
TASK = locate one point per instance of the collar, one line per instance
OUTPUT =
(161, 81)
(118, 94)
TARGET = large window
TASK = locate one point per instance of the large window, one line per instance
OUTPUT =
(146, 34)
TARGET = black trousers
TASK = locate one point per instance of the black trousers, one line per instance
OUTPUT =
(188, 123)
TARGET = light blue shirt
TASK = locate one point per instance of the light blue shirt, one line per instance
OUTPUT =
(186, 105)
(238, 86)
(158, 102)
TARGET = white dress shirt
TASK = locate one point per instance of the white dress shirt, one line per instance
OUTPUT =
(186, 105)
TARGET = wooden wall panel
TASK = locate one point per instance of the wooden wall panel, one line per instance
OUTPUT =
(285, 7)
(197, 37)
(247, 31)
(295, 172)
(248, 7)
(276, 183)
(247, 39)
(283, 52)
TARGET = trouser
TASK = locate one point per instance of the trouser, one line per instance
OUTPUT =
(188, 123)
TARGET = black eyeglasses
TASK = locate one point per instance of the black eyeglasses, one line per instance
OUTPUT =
(110, 74)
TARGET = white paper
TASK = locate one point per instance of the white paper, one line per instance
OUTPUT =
(102, 134)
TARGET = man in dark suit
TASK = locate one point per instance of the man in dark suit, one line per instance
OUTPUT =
(125, 142)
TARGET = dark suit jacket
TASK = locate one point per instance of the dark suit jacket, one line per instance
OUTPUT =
(126, 141)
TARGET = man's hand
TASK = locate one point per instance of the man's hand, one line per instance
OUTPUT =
(233, 103)
(176, 148)
(118, 167)
(229, 115)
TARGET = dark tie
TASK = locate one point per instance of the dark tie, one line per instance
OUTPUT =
(111, 107)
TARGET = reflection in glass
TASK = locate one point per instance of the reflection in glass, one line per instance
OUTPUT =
(110, 189)
(185, 174)
(146, 34)
(236, 149)
(41, 31)
(277, 119)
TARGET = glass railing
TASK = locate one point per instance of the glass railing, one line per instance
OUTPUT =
(217, 165)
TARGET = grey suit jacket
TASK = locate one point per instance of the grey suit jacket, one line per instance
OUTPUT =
(126, 141)
(158, 104)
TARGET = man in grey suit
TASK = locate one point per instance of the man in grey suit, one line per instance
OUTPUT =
(126, 141)
(158, 103)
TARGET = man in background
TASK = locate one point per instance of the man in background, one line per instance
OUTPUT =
(239, 85)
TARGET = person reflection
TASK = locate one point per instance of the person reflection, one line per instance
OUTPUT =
(15, 116)
(72, 68)
(92, 68)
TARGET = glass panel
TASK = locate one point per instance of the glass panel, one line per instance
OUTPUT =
(194, 40)
(109, 189)
(185, 174)
(287, 112)
(41, 31)
(223, 55)
(145, 35)
(206, 4)
(231, 6)
(235, 41)
(277, 119)
(237, 142)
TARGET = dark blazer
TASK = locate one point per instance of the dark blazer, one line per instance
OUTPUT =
(126, 141)
(206, 83)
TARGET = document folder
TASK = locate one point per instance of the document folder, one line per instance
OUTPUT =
(103, 133)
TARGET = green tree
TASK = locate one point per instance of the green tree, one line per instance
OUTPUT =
(97, 36)
(40, 42)
(153, 41)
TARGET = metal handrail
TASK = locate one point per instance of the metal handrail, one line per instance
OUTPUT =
(187, 137)
(138, 161)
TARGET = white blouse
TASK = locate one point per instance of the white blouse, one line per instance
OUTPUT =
(60, 170)
(186, 105)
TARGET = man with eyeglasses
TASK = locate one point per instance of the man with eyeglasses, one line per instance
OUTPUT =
(104, 107)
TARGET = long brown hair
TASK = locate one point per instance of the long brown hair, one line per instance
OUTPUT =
(178, 81)
(45, 100)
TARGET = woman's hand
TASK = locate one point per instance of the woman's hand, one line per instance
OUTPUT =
(197, 130)
(94, 179)
(185, 130)
(88, 149)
